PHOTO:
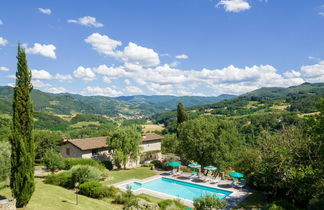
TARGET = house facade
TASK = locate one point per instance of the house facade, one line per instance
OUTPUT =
(97, 148)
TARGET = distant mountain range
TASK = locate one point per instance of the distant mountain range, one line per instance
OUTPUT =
(123, 106)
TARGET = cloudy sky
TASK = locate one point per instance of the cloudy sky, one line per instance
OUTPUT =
(177, 47)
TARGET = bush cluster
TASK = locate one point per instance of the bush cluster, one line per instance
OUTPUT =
(157, 163)
(70, 162)
(208, 202)
(83, 173)
(62, 179)
(147, 165)
(171, 204)
(78, 173)
(108, 164)
(95, 189)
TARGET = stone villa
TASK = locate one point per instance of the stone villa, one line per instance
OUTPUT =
(97, 148)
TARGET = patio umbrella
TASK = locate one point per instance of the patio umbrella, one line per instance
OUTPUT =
(236, 175)
(210, 168)
(174, 164)
(195, 166)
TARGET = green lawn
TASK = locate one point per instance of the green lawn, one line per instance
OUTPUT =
(254, 201)
(135, 173)
(49, 197)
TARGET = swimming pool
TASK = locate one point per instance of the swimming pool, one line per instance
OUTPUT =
(178, 189)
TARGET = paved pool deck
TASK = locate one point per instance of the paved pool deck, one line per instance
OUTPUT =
(233, 199)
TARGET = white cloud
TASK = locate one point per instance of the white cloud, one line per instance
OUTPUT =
(139, 55)
(313, 73)
(45, 11)
(63, 78)
(41, 74)
(3, 41)
(106, 79)
(234, 5)
(3, 68)
(103, 44)
(87, 21)
(182, 56)
(85, 74)
(57, 90)
(106, 91)
(110, 71)
(11, 84)
(40, 84)
(132, 53)
(1, 22)
(321, 14)
(292, 74)
(133, 90)
(127, 82)
(43, 49)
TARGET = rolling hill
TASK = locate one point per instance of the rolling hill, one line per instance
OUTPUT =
(296, 99)
(124, 106)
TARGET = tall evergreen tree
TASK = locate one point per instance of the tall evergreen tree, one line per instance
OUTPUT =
(21, 138)
(181, 114)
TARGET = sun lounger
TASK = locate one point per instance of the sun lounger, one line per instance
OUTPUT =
(214, 180)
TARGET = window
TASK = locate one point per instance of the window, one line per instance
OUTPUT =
(67, 151)
(94, 151)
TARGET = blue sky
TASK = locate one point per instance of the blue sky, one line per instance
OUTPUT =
(177, 47)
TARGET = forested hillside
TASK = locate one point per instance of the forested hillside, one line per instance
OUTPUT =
(127, 107)
(260, 109)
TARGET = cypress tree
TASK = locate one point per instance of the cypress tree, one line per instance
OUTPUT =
(181, 114)
(21, 138)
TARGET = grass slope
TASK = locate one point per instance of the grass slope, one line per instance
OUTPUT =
(49, 197)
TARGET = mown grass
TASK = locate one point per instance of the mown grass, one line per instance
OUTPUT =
(134, 173)
(49, 197)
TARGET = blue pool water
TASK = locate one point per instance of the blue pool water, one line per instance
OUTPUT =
(179, 189)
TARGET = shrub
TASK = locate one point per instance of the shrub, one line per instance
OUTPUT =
(108, 164)
(279, 204)
(62, 179)
(83, 173)
(94, 189)
(147, 165)
(70, 162)
(123, 197)
(171, 204)
(140, 204)
(316, 204)
(52, 160)
(157, 163)
(208, 202)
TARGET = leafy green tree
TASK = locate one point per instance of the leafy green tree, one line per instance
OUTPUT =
(170, 144)
(21, 139)
(209, 141)
(4, 160)
(181, 114)
(53, 160)
(125, 145)
(46, 141)
(208, 202)
(291, 166)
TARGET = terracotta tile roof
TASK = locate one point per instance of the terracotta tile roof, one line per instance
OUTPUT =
(101, 142)
(151, 137)
(90, 143)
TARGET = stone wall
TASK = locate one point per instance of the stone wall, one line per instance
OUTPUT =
(8, 204)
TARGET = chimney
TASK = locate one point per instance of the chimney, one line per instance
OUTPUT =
(64, 139)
